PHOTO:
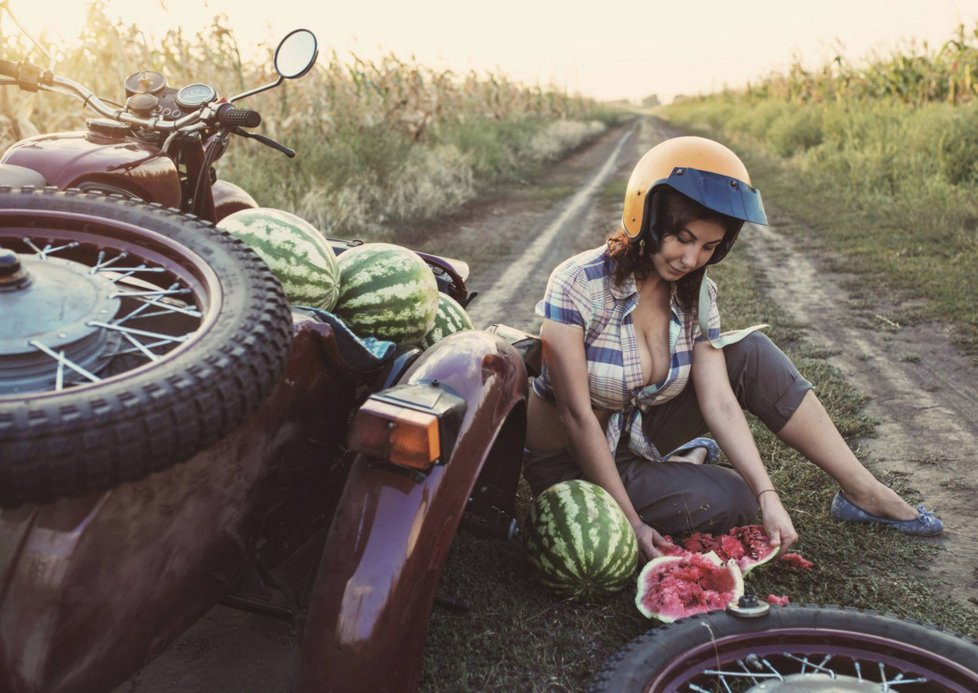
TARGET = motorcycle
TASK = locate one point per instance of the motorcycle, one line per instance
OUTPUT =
(160, 146)
(173, 434)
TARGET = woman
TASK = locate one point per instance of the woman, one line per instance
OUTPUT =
(634, 363)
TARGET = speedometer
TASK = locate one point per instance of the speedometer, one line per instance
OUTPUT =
(193, 96)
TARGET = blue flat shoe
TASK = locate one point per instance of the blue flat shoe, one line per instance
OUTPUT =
(926, 524)
(708, 444)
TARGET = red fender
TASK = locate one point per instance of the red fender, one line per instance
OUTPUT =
(391, 534)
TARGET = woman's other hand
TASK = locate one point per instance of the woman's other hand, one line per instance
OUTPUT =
(650, 542)
(777, 523)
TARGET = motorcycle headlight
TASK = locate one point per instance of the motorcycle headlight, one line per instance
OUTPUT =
(413, 425)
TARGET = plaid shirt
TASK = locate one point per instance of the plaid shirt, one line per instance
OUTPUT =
(581, 292)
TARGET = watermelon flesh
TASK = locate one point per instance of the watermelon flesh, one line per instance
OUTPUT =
(673, 587)
(747, 545)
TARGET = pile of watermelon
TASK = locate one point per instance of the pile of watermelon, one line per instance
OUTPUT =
(379, 290)
(706, 573)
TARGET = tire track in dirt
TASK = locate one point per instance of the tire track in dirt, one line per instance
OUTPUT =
(922, 391)
(537, 258)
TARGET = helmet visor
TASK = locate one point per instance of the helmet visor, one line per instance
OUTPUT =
(720, 193)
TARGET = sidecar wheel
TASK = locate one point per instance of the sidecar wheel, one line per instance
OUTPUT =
(812, 648)
(131, 337)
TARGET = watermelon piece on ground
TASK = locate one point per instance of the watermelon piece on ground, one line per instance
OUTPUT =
(674, 587)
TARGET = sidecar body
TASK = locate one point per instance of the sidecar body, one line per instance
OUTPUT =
(94, 587)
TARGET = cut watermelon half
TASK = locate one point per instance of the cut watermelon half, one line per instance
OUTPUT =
(674, 587)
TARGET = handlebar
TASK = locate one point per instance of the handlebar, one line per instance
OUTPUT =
(32, 78)
(216, 114)
(238, 117)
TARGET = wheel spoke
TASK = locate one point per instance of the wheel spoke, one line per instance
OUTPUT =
(176, 339)
(141, 347)
(168, 309)
(126, 272)
(148, 345)
(101, 263)
(159, 293)
(59, 379)
(48, 249)
(815, 667)
(62, 361)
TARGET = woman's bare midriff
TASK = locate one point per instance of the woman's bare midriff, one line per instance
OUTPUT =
(544, 429)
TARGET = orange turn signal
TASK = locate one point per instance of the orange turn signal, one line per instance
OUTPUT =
(401, 435)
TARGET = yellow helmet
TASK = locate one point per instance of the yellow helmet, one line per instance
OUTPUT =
(699, 168)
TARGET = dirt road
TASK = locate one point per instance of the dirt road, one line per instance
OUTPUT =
(922, 392)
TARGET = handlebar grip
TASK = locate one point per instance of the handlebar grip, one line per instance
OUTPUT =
(241, 117)
(8, 68)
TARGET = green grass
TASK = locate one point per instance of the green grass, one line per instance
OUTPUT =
(518, 636)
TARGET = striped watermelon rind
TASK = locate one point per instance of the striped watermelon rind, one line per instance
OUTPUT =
(579, 542)
(295, 251)
(386, 291)
(449, 319)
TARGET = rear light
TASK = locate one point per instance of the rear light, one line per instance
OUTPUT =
(411, 426)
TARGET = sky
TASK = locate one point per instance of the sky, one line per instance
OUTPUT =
(607, 50)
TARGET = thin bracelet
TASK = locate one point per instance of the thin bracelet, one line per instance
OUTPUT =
(758, 496)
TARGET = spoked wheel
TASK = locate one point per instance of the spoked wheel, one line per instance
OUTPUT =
(131, 337)
(794, 649)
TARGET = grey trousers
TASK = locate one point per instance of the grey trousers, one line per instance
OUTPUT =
(678, 497)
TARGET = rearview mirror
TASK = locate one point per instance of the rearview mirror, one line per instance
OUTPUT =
(296, 54)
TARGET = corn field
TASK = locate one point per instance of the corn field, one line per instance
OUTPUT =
(378, 141)
(914, 76)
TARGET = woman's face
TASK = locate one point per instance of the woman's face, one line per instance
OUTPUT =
(687, 250)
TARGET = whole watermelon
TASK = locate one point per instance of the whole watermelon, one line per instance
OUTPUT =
(387, 292)
(579, 542)
(449, 319)
(294, 249)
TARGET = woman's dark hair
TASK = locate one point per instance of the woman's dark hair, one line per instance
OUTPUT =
(672, 211)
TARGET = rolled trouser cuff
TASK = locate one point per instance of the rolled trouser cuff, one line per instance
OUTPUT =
(765, 381)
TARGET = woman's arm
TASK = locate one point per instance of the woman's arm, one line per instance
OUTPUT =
(726, 421)
(563, 350)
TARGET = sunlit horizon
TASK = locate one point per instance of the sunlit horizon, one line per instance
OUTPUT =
(625, 50)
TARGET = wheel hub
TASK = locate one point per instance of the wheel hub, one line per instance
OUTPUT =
(48, 307)
(822, 683)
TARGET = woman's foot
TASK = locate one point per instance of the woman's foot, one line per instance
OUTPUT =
(882, 501)
(696, 451)
(924, 524)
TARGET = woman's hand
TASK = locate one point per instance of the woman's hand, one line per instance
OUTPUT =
(650, 542)
(780, 531)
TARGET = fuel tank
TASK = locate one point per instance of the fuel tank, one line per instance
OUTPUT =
(105, 157)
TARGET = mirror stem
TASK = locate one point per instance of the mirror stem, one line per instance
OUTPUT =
(256, 90)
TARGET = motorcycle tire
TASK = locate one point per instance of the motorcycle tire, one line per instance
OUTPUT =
(793, 648)
(173, 394)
